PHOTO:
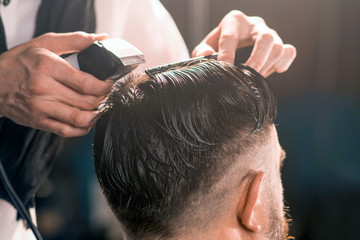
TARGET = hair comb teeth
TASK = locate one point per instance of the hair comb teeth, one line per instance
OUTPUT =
(170, 66)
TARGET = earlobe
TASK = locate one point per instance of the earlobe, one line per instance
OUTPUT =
(251, 203)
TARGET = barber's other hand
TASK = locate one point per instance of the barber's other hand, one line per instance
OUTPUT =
(237, 30)
(41, 90)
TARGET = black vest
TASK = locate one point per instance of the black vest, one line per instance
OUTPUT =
(28, 154)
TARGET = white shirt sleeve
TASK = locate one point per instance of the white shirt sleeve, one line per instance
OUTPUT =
(19, 19)
(147, 25)
(10, 228)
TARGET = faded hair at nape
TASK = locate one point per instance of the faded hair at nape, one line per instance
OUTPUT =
(158, 137)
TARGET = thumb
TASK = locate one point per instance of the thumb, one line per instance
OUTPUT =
(62, 43)
(202, 49)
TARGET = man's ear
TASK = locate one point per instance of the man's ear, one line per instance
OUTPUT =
(250, 206)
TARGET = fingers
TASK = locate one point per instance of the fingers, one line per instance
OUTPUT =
(269, 54)
(209, 45)
(47, 63)
(72, 98)
(67, 121)
(227, 46)
(79, 81)
(225, 38)
(275, 54)
(70, 115)
(262, 49)
(62, 43)
(237, 30)
(284, 62)
(231, 35)
(202, 49)
(267, 50)
(63, 129)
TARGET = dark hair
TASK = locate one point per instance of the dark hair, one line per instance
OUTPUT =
(158, 139)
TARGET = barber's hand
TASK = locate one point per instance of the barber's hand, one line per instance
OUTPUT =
(41, 90)
(237, 30)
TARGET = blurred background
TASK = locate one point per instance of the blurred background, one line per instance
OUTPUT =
(318, 123)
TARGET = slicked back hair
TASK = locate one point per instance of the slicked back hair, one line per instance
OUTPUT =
(160, 139)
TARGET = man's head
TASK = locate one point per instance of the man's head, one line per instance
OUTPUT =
(192, 153)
